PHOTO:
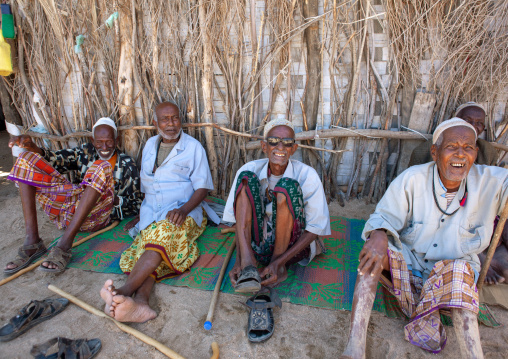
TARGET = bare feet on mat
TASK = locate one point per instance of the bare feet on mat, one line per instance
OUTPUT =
(107, 296)
(127, 309)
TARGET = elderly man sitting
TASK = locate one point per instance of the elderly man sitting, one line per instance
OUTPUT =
(474, 114)
(427, 231)
(175, 178)
(107, 179)
(280, 209)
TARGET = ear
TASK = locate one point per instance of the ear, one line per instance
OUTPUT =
(433, 152)
(293, 149)
(264, 147)
(154, 123)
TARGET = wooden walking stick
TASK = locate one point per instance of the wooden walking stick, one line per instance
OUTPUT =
(75, 244)
(215, 295)
(143, 337)
(493, 246)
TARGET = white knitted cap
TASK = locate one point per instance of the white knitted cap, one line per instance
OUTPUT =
(469, 104)
(275, 123)
(104, 121)
(453, 122)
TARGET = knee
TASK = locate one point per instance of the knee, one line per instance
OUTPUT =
(281, 200)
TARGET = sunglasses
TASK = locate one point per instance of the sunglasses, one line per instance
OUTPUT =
(286, 142)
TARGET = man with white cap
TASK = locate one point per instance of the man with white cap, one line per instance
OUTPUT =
(280, 209)
(107, 188)
(426, 234)
(474, 114)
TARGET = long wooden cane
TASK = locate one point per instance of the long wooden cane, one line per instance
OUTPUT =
(215, 295)
(75, 244)
(493, 246)
(143, 337)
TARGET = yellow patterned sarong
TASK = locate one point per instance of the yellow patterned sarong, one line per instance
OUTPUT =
(176, 245)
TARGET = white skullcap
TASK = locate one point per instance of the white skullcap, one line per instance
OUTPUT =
(453, 122)
(469, 104)
(104, 121)
(275, 123)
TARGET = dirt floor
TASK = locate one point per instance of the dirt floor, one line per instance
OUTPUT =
(300, 331)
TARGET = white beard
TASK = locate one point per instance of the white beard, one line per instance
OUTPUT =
(106, 158)
(167, 137)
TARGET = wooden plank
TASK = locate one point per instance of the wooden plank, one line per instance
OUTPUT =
(420, 120)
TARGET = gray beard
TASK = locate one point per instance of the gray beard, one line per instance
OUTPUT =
(106, 158)
(167, 137)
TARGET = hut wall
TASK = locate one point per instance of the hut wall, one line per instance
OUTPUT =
(368, 80)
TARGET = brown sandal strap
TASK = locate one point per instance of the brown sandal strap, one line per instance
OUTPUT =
(59, 257)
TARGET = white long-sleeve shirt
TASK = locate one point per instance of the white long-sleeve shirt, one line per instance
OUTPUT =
(424, 235)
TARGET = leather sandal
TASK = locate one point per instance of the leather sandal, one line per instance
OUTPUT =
(67, 348)
(261, 322)
(58, 257)
(23, 260)
(248, 281)
(30, 315)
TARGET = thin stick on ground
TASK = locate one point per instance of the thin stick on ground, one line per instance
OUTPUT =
(216, 291)
(75, 244)
(125, 328)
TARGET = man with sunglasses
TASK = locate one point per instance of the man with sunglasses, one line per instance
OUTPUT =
(280, 209)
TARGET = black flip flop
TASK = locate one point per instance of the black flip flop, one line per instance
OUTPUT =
(67, 348)
(30, 315)
(261, 322)
(248, 281)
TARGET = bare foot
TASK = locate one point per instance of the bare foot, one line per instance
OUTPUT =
(128, 310)
(107, 296)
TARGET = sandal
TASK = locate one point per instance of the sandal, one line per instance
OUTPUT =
(249, 280)
(30, 315)
(58, 257)
(22, 260)
(66, 348)
(261, 323)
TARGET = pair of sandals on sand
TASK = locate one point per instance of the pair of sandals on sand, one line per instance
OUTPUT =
(56, 255)
(36, 312)
(261, 323)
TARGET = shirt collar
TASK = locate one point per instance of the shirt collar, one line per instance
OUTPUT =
(441, 189)
(287, 173)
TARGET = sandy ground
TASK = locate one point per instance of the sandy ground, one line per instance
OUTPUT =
(300, 332)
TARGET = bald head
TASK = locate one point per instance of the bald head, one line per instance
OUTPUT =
(167, 120)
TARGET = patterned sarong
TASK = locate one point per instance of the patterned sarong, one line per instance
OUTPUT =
(59, 198)
(263, 248)
(450, 285)
(175, 244)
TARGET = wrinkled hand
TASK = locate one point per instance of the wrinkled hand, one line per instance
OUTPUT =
(132, 223)
(234, 273)
(176, 216)
(373, 254)
(23, 141)
(274, 273)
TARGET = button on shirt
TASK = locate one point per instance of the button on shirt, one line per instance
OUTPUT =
(422, 233)
(184, 171)
(317, 216)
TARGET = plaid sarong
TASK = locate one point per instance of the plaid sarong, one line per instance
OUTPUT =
(263, 248)
(450, 285)
(59, 197)
(176, 245)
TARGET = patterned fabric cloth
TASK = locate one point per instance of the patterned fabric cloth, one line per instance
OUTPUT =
(59, 198)
(450, 285)
(176, 245)
(125, 173)
(263, 245)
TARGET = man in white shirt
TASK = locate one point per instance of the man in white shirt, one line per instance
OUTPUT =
(175, 178)
(426, 233)
(280, 209)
